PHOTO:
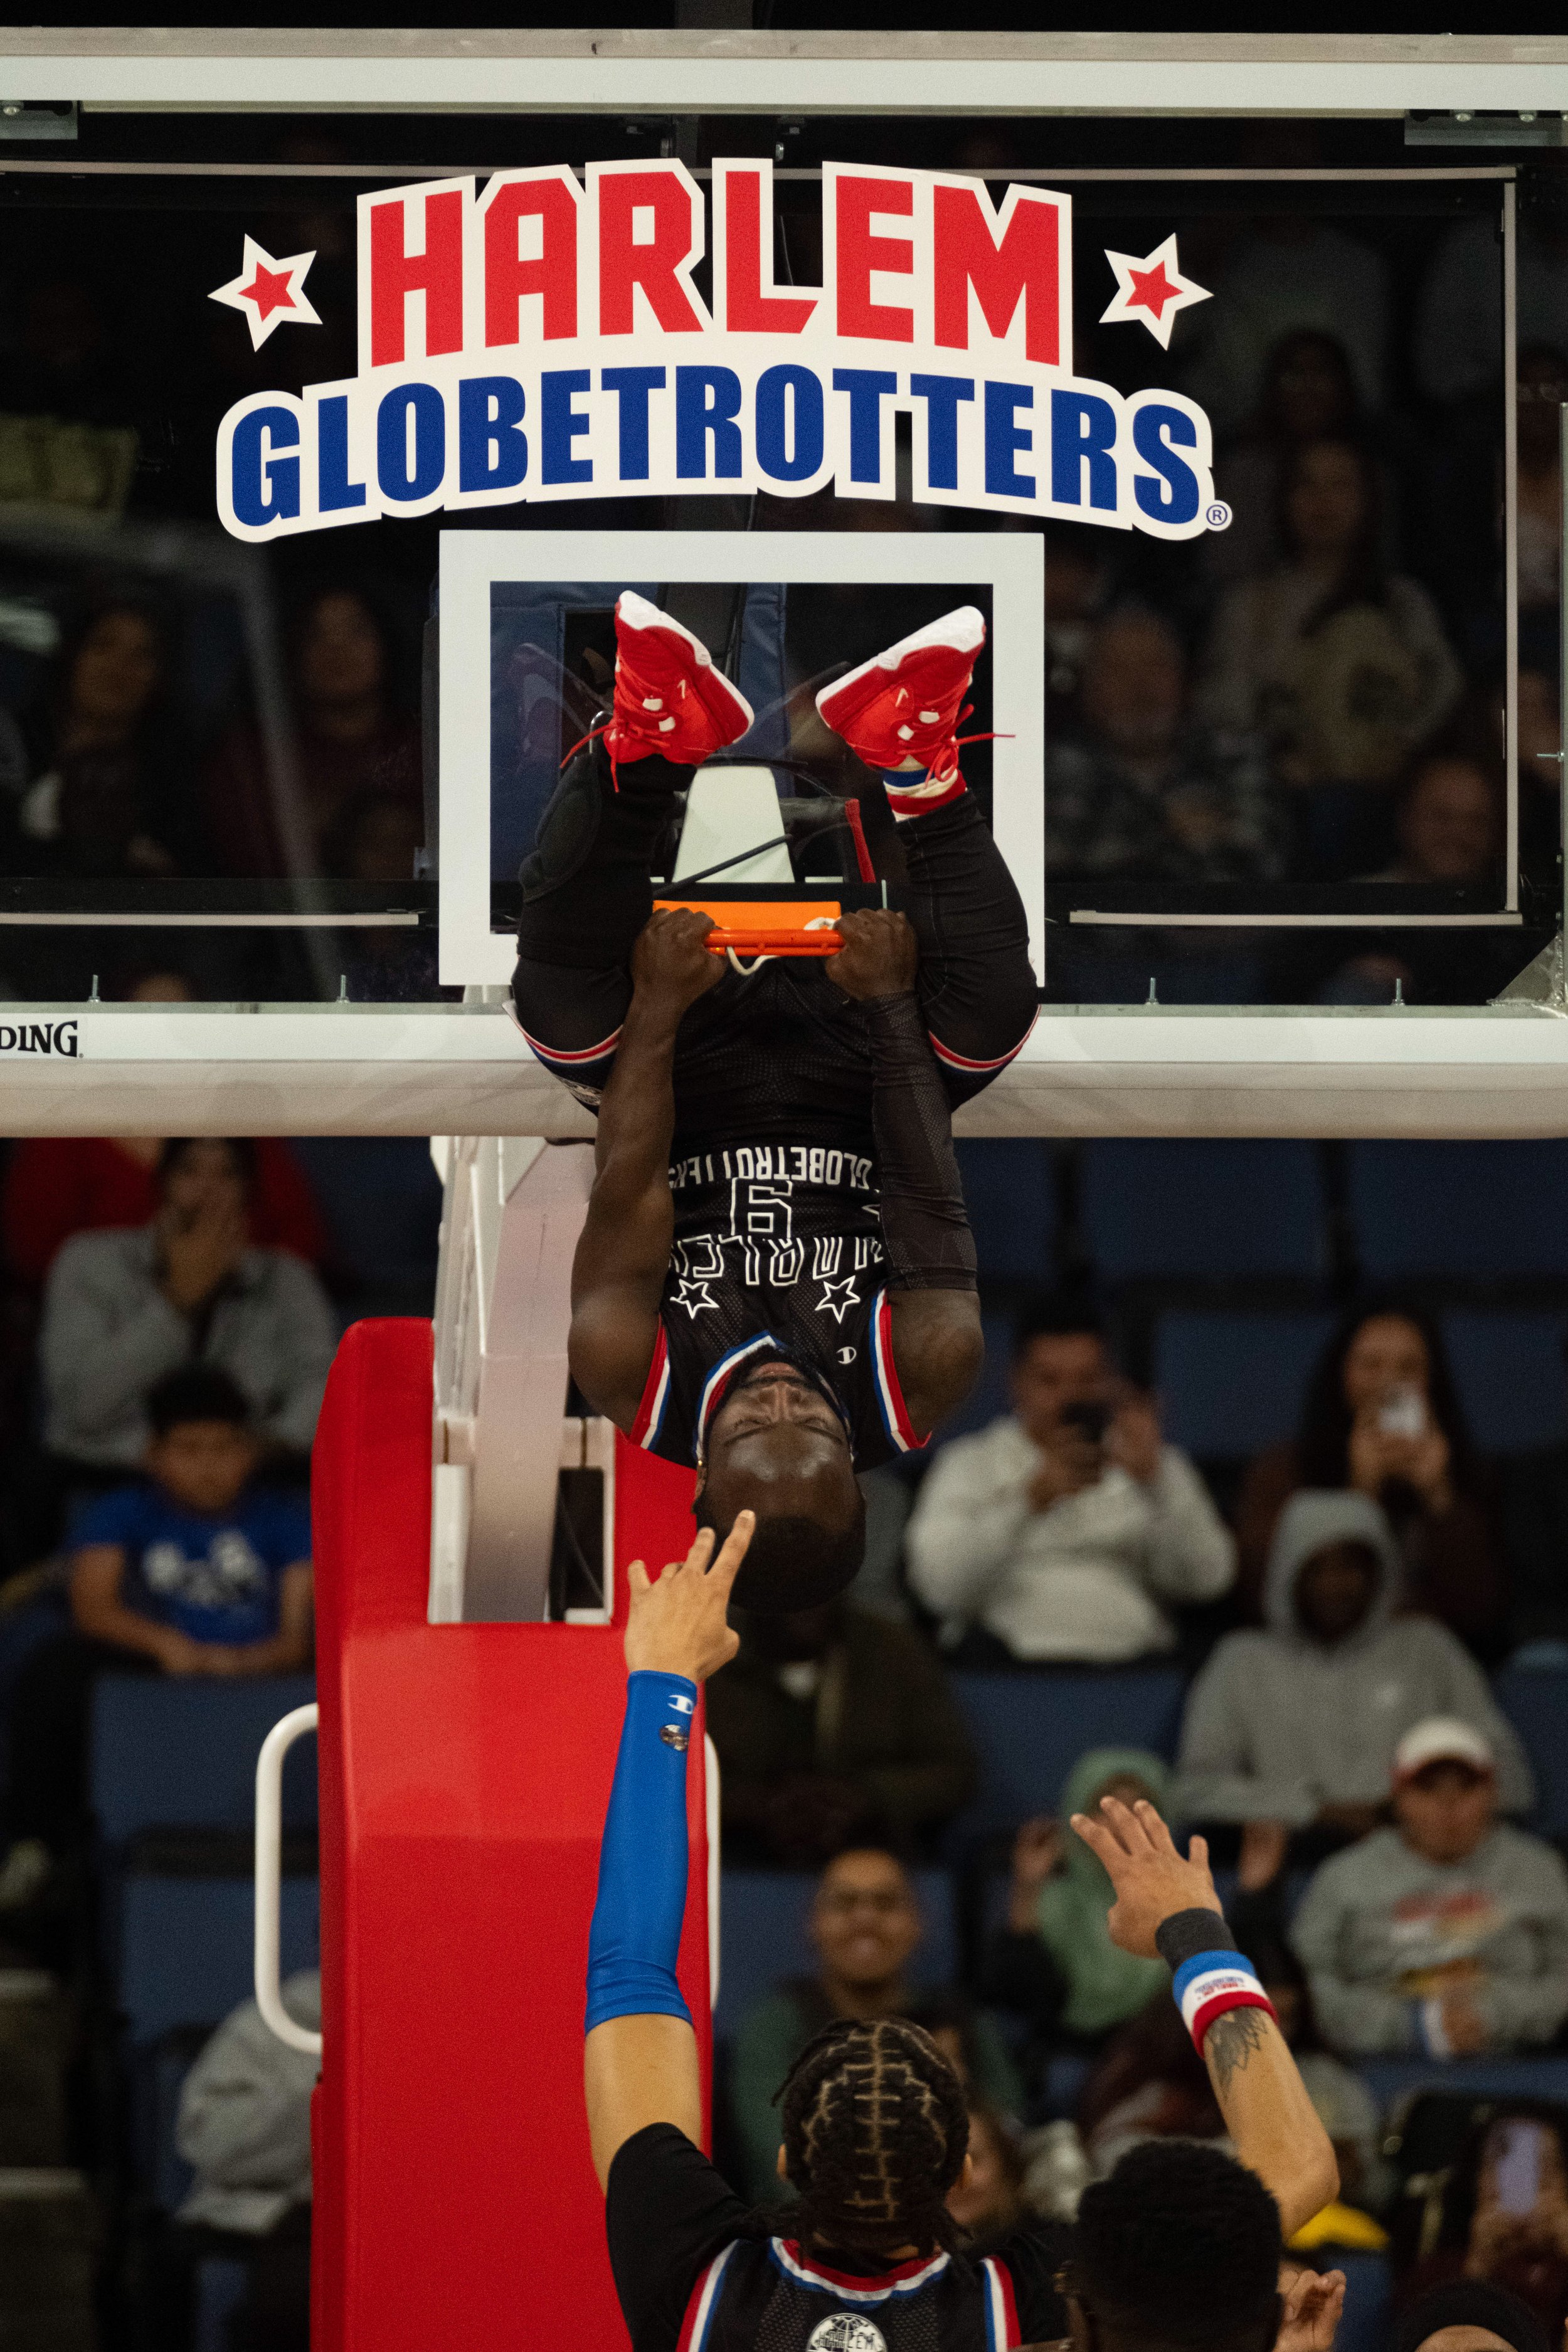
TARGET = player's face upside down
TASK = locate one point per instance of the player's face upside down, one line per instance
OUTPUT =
(777, 1447)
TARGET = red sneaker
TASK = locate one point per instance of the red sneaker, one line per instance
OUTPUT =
(669, 699)
(905, 705)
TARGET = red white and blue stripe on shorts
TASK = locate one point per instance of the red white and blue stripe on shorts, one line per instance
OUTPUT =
(645, 1429)
(570, 1061)
(890, 1403)
(956, 1061)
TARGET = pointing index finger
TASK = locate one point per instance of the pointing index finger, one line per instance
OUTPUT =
(732, 1551)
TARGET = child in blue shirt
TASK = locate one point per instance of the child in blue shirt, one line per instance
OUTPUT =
(195, 1568)
(193, 1571)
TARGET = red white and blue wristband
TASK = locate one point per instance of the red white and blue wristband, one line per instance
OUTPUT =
(1209, 1984)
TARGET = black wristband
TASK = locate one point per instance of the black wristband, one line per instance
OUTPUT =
(1185, 1933)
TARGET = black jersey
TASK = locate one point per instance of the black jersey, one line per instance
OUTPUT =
(777, 1253)
(697, 2271)
(778, 1233)
(769, 2296)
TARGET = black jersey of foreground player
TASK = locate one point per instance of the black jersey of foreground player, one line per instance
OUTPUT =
(776, 1279)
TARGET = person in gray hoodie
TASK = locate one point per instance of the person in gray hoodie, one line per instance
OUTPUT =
(1448, 1933)
(1291, 1731)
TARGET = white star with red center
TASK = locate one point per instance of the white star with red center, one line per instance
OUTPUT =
(269, 293)
(1151, 290)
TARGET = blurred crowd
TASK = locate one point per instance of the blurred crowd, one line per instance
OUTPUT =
(1344, 1744)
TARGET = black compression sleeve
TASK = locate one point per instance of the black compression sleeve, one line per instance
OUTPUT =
(925, 1231)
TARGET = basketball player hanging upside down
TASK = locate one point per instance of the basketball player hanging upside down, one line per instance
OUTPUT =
(775, 1280)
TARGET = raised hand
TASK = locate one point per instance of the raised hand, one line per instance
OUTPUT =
(670, 965)
(1312, 2306)
(680, 1625)
(1036, 1849)
(1151, 1878)
(879, 956)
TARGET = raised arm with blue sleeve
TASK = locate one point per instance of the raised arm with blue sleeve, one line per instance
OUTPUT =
(640, 2063)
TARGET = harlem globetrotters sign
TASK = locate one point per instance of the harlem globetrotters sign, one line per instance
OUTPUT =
(541, 339)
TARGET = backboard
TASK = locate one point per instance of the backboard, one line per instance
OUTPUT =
(527, 646)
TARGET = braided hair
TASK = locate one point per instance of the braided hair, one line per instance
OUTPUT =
(876, 2128)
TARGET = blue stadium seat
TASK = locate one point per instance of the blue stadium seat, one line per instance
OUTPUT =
(1031, 1729)
(1535, 1701)
(185, 1948)
(219, 2289)
(1369, 2289)
(168, 1753)
(1544, 2076)
(381, 1199)
(1469, 1210)
(1011, 1206)
(1510, 1372)
(1232, 1383)
(1215, 1210)
(763, 1942)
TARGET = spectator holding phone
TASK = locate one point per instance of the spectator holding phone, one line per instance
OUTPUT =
(1383, 1418)
(1068, 1531)
(1498, 2215)
(1448, 1933)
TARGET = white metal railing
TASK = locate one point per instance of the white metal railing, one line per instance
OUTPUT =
(268, 1877)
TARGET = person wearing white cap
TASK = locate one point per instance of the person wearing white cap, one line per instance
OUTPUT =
(1446, 1933)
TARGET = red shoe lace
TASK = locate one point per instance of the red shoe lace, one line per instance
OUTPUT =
(592, 737)
(944, 767)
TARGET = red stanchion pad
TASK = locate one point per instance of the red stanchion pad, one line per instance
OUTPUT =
(465, 1771)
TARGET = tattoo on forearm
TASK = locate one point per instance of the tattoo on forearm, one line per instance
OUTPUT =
(1230, 2042)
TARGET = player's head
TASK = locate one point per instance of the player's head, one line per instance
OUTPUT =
(777, 1445)
(1177, 2252)
(876, 2132)
(203, 1447)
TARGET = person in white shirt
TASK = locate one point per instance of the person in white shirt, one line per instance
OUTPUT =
(1068, 1531)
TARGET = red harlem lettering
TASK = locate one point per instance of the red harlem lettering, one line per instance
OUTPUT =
(631, 202)
(746, 308)
(395, 274)
(552, 274)
(1021, 268)
(859, 253)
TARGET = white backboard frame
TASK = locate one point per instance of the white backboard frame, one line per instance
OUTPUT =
(1012, 563)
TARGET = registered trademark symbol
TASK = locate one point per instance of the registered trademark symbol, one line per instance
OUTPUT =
(1218, 515)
